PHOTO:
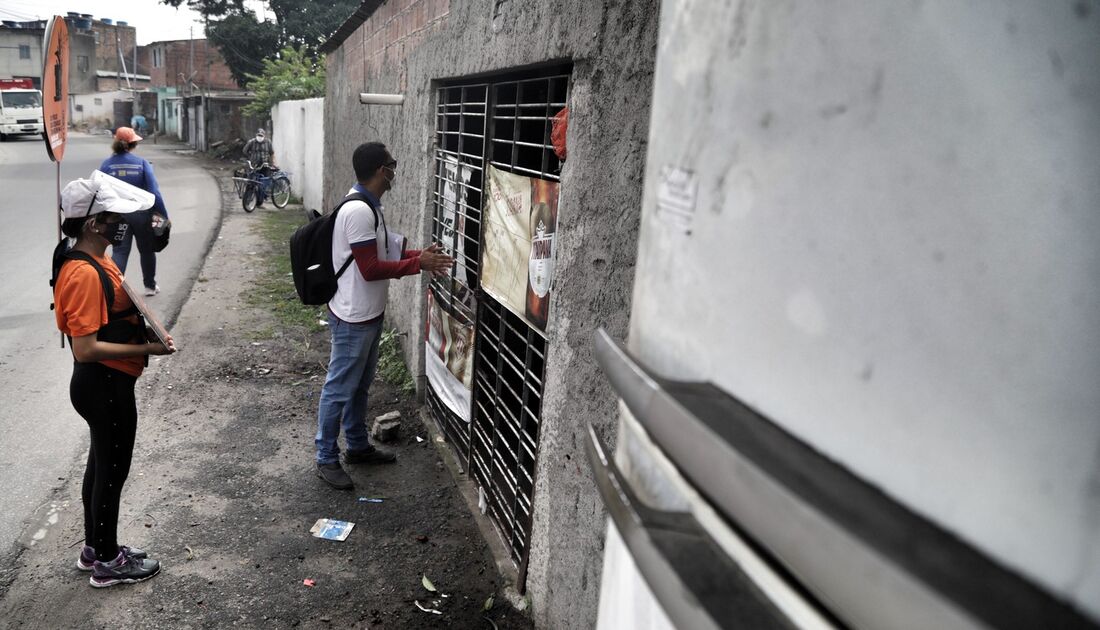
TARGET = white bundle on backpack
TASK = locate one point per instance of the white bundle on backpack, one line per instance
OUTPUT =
(102, 193)
(123, 190)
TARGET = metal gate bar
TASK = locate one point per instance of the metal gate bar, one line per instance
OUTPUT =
(460, 137)
(507, 405)
(521, 125)
(461, 113)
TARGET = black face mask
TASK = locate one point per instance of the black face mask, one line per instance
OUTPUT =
(115, 233)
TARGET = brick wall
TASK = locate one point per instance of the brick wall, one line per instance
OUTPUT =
(396, 28)
(109, 38)
(175, 57)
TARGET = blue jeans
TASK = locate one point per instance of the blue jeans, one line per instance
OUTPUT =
(351, 368)
(141, 229)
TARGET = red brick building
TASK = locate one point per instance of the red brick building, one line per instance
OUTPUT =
(171, 62)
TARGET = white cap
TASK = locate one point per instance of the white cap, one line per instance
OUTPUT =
(102, 193)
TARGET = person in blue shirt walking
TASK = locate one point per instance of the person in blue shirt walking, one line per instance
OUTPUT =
(139, 172)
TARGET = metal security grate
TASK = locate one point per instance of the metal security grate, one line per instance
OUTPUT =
(457, 195)
(508, 371)
(507, 123)
(521, 125)
(456, 221)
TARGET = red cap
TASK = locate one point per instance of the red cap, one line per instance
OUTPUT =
(127, 134)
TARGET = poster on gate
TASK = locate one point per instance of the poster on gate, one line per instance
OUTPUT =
(449, 357)
(517, 261)
(452, 230)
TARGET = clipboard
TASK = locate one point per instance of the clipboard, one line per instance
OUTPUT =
(150, 318)
(394, 246)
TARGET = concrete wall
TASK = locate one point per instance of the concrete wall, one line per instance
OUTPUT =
(224, 121)
(298, 139)
(10, 63)
(891, 250)
(81, 81)
(97, 108)
(404, 48)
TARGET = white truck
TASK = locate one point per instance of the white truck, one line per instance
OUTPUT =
(20, 108)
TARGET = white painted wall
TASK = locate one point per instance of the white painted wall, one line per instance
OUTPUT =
(298, 138)
(888, 243)
(101, 114)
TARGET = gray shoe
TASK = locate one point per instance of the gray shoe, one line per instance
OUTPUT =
(371, 455)
(124, 569)
(335, 476)
(86, 560)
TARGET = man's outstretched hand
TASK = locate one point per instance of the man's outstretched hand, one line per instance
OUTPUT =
(434, 260)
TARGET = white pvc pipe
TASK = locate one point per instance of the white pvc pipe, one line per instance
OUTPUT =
(367, 98)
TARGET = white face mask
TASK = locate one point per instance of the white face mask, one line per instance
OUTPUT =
(260, 138)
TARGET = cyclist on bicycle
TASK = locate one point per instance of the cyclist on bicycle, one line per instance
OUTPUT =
(261, 156)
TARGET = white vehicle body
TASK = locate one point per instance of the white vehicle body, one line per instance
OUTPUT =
(20, 112)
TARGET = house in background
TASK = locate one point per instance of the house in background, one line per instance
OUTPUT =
(186, 73)
(112, 78)
(21, 50)
(105, 71)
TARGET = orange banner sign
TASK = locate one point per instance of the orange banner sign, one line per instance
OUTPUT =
(55, 87)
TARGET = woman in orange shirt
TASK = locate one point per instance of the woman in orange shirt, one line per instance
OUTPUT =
(109, 345)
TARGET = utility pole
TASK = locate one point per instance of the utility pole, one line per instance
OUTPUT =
(122, 63)
(137, 105)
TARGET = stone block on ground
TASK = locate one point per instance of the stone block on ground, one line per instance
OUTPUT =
(386, 427)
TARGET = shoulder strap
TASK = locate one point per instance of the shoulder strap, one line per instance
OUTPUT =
(104, 279)
(378, 219)
(355, 196)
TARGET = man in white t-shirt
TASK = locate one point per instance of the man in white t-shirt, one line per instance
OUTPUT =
(355, 313)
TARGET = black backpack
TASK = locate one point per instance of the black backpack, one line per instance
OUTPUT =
(311, 255)
(118, 328)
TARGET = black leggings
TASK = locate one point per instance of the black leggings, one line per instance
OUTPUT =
(105, 399)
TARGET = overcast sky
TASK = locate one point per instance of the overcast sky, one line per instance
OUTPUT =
(154, 21)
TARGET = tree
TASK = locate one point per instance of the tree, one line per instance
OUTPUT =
(245, 41)
(293, 75)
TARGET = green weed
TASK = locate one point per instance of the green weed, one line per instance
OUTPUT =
(391, 363)
(274, 288)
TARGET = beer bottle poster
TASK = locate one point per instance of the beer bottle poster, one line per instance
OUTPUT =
(518, 257)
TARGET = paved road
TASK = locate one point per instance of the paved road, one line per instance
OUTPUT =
(42, 437)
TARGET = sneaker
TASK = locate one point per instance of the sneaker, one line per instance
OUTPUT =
(151, 291)
(371, 455)
(86, 558)
(122, 570)
(335, 476)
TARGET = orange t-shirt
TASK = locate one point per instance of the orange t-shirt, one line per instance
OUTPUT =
(81, 308)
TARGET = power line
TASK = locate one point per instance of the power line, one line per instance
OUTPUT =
(20, 17)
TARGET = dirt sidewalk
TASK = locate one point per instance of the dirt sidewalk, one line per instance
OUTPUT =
(223, 492)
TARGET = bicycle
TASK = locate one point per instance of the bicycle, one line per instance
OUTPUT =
(253, 186)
